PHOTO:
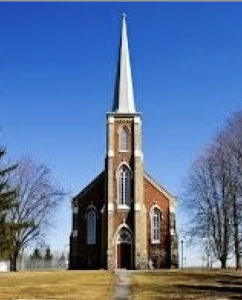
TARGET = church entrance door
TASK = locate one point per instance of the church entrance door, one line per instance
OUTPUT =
(124, 259)
(124, 249)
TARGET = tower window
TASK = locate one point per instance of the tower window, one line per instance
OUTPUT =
(155, 225)
(123, 139)
(124, 185)
(91, 226)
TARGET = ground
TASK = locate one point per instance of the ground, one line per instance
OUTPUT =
(53, 285)
(101, 285)
(187, 285)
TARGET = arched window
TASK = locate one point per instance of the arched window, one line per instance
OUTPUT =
(124, 185)
(155, 225)
(123, 139)
(124, 236)
(91, 226)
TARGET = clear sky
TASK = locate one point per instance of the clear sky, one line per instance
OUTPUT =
(57, 72)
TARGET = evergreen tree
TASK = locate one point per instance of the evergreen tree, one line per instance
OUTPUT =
(62, 260)
(48, 254)
(36, 254)
(7, 202)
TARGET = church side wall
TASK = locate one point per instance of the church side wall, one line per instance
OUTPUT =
(159, 254)
(85, 256)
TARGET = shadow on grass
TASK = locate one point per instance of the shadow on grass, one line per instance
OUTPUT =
(191, 285)
(190, 292)
(235, 280)
(213, 289)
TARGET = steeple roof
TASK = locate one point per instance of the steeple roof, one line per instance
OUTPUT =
(124, 94)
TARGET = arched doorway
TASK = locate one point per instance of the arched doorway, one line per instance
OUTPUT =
(124, 246)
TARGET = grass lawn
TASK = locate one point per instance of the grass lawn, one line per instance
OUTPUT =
(187, 285)
(68, 285)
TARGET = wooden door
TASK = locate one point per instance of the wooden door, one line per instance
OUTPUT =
(124, 256)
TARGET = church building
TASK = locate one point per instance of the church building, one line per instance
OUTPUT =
(123, 218)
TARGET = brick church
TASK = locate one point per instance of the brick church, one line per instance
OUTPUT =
(123, 218)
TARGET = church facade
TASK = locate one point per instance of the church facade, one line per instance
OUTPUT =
(123, 218)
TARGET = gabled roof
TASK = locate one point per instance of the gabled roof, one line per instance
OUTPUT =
(89, 186)
(161, 189)
(124, 94)
(172, 199)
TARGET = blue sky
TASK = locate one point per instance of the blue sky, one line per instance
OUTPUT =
(57, 72)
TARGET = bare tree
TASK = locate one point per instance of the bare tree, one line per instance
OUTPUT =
(208, 202)
(231, 140)
(37, 199)
(215, 192)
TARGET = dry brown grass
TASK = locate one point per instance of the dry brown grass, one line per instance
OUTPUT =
(187, 285)
(53, 285)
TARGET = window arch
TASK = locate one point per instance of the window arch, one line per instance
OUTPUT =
(124, 236)
(123, 139)
(124, 184)
(91, 226)
(155, 225)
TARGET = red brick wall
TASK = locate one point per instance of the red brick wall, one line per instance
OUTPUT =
(118, 157)
(153, 196)
(128, 216)
(94, 196)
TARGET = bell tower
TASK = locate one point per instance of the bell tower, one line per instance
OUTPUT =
(125, 209)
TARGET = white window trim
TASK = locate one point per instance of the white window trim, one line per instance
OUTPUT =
(91, 236)
(123, 162)
(123, 225)
(128, 190)
(155, 242)
(123, 129)
(123, 207)
(119, 239)
(91, 206)
(153, 208)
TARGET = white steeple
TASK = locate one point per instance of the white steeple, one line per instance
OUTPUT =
(124, 94)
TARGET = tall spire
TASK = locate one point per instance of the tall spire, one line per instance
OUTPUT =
(124, 94)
